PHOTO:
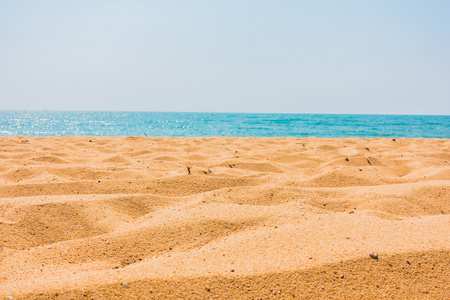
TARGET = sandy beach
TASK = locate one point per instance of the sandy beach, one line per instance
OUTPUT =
(225, 218)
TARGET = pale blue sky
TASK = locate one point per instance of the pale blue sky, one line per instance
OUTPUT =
(389, 57)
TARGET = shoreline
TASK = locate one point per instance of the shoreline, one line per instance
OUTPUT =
(112, 217)
(220, 137)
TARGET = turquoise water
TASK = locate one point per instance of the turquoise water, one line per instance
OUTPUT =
(59, 123)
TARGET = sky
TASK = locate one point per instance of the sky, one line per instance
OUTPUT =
(284, 56)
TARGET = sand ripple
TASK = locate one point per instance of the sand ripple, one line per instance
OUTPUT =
(224, 217)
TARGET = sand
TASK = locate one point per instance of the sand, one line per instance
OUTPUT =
(226, 218)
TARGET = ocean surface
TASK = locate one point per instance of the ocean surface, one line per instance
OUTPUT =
(153, 124)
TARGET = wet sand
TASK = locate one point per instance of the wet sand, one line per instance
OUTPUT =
(138, 217)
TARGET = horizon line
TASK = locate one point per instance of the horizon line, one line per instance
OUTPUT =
(221, 112)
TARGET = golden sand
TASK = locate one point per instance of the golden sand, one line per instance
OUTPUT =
(226, 218)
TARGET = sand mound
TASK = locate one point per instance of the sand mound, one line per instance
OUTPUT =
(344, 280)
(136, 217)
(20, 174)
(117, 160)
(79, 173)
(50, 159)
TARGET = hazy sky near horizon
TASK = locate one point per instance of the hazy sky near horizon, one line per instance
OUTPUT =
(389, 57)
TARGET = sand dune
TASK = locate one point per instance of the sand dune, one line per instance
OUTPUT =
(139, 217)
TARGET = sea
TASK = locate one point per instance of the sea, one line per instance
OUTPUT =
(184, 124)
